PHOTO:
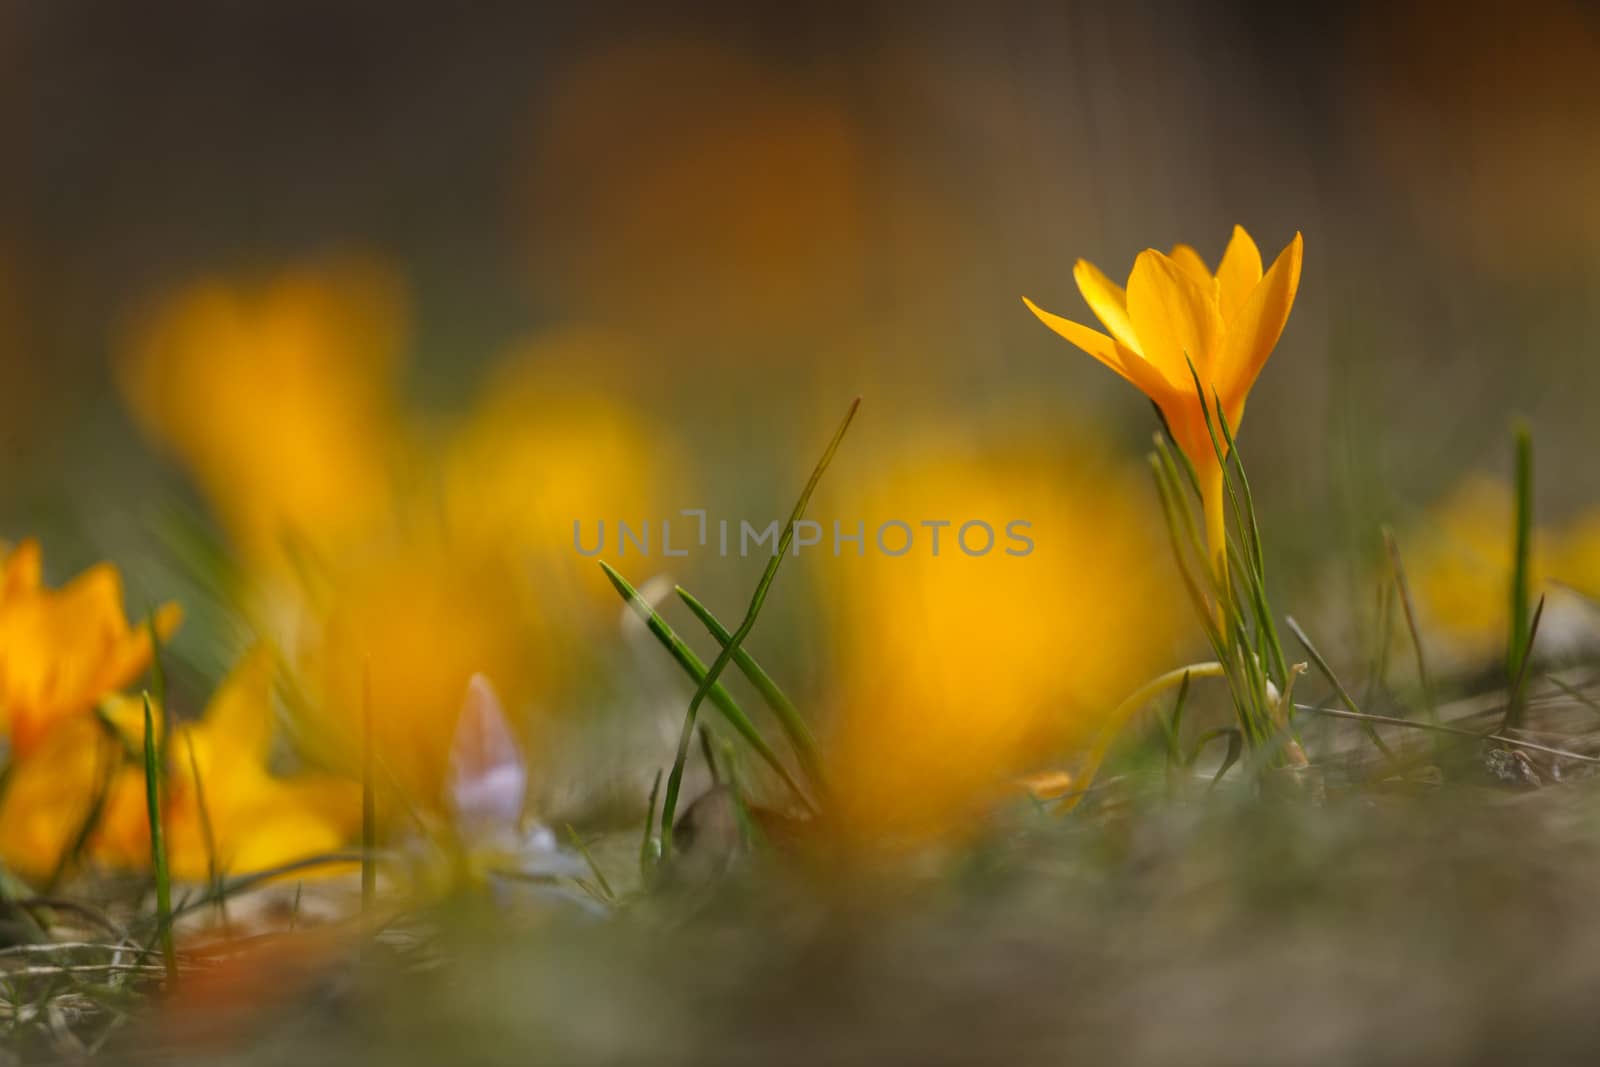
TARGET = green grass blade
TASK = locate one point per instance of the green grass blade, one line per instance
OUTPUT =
(1338, 686)
(648, 851)
(1518, 640)
(158, 688)
(669, 804)
(1575, 694)
(594, 868)
(1410, 612)
(158, 845)
(1172, 729)
(1515, 703)
(684, 656)
(207, 829)
(789, 718)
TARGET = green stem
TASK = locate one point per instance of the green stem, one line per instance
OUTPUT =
(1125, 711)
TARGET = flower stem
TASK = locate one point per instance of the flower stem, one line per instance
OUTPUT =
(1125, 711)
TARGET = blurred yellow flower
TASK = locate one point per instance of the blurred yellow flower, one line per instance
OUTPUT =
(223, 809)
(546, 446)
(437, 551)
(1459, 562)
(279, 398)
(1176, 311)
(52, 792)
(960, 673)
(63, 650)
(407, 626)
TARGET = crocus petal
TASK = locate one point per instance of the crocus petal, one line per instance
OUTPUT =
(1175, 316)
(1237, 274)
(1253, 334)
(240, 714)
(488, 778)
(1191, 261)
(1107, 300)
(1133, 367)
(22, 570)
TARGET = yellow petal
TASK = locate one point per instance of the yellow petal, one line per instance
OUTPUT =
(1175, 316)
(1237, 274)
(21, 573)
(1119, 358)
(239, 717)
(1108, 301)
(1186, 257)
(1253, 334)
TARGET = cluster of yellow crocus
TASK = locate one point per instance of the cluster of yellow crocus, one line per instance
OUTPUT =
(75, 787)
(223, 810)
(391, 557)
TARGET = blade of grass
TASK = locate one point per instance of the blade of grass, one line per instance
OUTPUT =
(1455, 731)
(721, 699)
(1118, 719)
(1523, 534)
(1574, 693)
(594, 868)
(1229, 758)
(207, 832)
(1258, 564)
(1338, 686)
(1514, 701)
(1519, 640)
(1380, 656)
(669, 803)
(1411, 623)
(709, 756)
(1171, 728)
(238, 884)
(794, 725)
(158, 845)
(158, 688)
(648, 852)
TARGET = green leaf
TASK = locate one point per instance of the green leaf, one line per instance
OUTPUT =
(158, 845)
(669, 805)
(721, 699)
(789, 718)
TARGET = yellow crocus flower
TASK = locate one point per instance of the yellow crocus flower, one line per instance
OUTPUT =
(958, 674)
(63, 650)
(403, 629)
(223, 809)
(1175, 312)
(279, 397)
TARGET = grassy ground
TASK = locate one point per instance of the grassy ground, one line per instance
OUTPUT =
(1441, 913)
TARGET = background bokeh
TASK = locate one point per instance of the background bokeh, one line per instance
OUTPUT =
(730, 219)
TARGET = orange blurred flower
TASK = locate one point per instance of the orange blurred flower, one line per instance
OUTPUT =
(63, 650)
(406, 626)
(960, 673)
(278, 397)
